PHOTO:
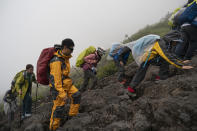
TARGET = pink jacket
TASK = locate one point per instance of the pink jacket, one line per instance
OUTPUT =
(91, 61)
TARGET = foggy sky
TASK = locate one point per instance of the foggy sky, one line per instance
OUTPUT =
(28, 26)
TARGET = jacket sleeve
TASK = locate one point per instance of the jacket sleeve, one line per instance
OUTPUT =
(19, 82)
(188, 2)
(56, 73)
(90, 59)
(173, 62)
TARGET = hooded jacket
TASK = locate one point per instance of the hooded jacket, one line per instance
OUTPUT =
(24, 81)
(59, 73)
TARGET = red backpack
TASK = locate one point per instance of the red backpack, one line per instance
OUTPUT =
(43, 64)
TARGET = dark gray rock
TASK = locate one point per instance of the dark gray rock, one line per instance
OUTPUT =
(34, 127)
(169, 105)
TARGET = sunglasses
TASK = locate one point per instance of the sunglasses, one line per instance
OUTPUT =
(70, 48)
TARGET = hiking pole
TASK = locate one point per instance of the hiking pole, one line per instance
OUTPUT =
(10, 116)
(36, 97)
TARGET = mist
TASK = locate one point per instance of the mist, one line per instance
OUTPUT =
(28, 26)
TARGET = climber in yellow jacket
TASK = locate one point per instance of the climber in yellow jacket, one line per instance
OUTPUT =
(61, 85)
(153, 50)
(149, 50)
(22, 84)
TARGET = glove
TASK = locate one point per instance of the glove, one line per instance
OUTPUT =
(94, 70)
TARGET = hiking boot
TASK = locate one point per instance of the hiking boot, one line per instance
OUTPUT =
(131, 92)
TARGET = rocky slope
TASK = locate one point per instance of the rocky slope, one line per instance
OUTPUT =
(167, 105)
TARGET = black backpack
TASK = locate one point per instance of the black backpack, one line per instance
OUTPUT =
(173, 36)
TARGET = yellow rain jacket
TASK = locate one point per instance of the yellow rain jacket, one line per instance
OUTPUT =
(59, 73)
(23, 81)
(157, 50)
(62, 87)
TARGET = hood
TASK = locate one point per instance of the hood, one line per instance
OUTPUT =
(60, 54)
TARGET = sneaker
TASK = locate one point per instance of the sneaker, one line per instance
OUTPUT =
(131, 92)
(27, 114)
(22, 117)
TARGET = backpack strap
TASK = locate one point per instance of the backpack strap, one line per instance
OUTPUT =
(63, 66)
(56, 58)
(98, 57)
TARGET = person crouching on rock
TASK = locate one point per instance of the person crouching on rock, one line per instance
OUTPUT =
(151, 50)
(120, 54)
